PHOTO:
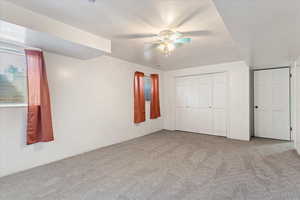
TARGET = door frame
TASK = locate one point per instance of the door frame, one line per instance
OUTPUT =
(227, 113)
(253, 97)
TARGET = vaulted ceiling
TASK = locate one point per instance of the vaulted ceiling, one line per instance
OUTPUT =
(262, 32)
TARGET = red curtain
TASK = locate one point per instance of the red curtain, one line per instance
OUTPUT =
(39, 121)
(155, 107)
(139, 98)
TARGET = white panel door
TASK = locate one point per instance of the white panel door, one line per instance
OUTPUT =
(182, 90)
(201, 104)
(272, 103)
(202, 98)
(219, 104)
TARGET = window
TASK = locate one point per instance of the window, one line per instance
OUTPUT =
(13, 87)
(147, 88)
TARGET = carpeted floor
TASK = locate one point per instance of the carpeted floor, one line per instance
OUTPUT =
(166, 165)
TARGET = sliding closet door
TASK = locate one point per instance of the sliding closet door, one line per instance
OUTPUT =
(201, 104)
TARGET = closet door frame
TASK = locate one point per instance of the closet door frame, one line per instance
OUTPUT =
(227, 108)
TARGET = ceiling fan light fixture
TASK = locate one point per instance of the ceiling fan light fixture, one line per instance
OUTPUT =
(168, 35)
(166, 48)
(173, 37)
(168, 40)
(171, 46)
(161, 47)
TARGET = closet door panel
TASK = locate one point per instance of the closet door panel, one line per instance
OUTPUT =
(181, 104)
(204, 96)
(180, 119)
(181, 93)
(205, 123)
(201, 104)
(219, 123)
(194, 119)
(203, 91)
(219, 104)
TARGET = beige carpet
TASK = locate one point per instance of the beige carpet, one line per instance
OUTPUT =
(166, 165)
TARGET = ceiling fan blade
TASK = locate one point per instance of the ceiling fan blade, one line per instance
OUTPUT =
(185, 19)
(182, 40)
(135, 36)
(150, 46)
(155, 42)
(197, 33)
(178, 44)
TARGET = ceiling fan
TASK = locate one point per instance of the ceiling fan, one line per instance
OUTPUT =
(169, 39)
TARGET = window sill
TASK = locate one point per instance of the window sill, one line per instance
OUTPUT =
(13, 105)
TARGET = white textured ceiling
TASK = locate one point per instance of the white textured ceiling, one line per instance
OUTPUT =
(116, 18)
(267, 31)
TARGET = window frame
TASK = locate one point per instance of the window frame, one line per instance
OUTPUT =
(17, 104)
(149, 80)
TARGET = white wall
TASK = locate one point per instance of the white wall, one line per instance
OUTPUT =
(238, 96)
(295, 104)
(293, 96)
(296, 99)
(92, 104)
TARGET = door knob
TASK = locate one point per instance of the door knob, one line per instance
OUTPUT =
(256, 107)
